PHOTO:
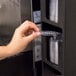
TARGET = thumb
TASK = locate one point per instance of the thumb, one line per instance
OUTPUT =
(32, 36)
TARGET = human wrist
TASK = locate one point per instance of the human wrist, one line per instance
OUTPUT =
(13, 49)
(4, 52)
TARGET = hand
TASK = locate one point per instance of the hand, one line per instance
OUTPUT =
(23, 35)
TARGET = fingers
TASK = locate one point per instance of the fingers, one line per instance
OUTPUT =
(28, 31)
(34, 27)
(28, 25)
(32, 36)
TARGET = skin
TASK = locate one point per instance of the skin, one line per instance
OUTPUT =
(23, 35)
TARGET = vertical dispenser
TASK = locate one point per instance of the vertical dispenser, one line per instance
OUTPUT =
(52, 14)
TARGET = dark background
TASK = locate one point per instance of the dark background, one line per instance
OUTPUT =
(70, 38)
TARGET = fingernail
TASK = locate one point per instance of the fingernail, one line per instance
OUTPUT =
(38, 33)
